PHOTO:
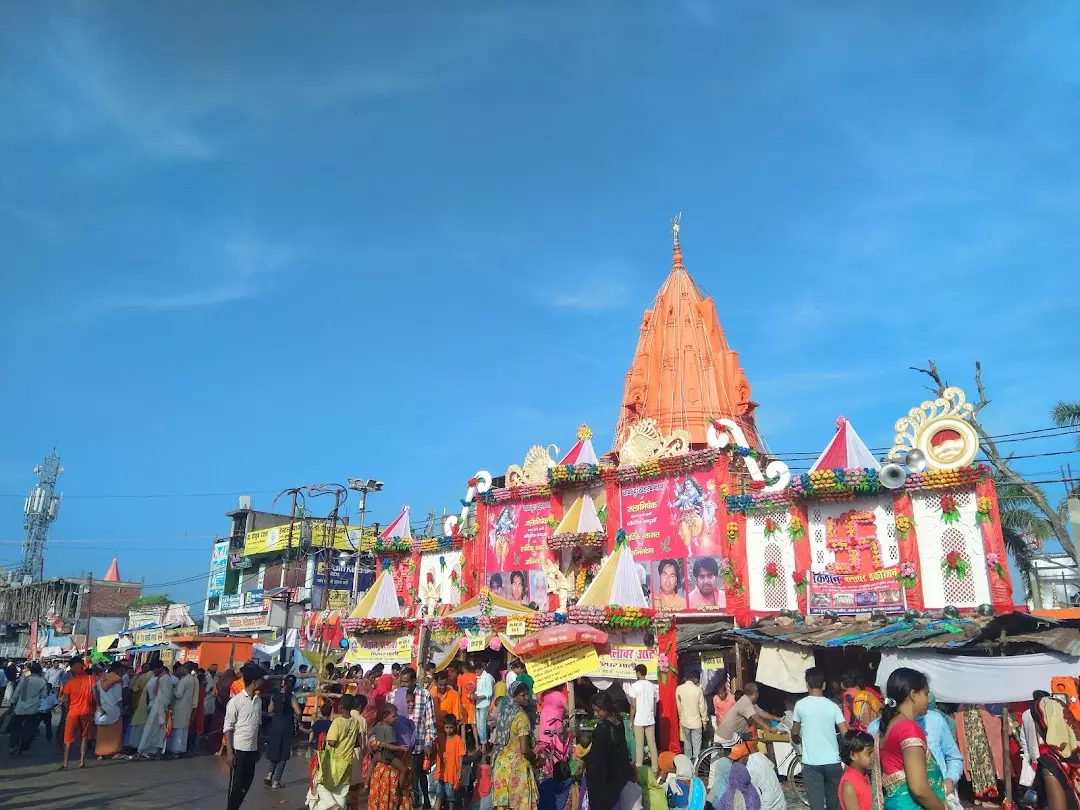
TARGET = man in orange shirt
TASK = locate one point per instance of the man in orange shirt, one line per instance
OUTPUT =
(447, 701)
(77, 695)
(449, 755)
(466, 687)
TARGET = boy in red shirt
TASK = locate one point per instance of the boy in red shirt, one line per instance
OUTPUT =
(78, 697)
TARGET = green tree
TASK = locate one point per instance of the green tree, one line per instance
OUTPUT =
(1066, 415)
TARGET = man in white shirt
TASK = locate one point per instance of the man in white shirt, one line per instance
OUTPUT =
(243, 716)
(52, 675)
(485, 691)
(693, 716)
(511, 678)
(643, 697)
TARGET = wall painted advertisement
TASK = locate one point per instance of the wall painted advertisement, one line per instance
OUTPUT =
(673, 529)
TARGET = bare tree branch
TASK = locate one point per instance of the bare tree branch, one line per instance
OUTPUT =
(1002, 463)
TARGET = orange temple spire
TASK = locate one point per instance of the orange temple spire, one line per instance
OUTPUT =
(684, 373)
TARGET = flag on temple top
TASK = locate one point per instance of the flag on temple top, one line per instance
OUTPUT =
(582, 452)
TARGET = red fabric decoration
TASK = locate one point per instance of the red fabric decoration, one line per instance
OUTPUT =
(909, 550)
(802, 554)
(993, 543)
(667, 720)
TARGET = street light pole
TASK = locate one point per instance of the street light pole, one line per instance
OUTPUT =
(363, 487)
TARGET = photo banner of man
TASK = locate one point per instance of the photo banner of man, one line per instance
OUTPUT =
(671, 523)
(516, 547)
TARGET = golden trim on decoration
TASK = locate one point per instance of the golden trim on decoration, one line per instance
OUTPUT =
(537, 462)
(644, 442)
(941, 429)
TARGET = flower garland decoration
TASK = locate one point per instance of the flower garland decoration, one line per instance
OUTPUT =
(904, 525)
(800, 580)
(760, 501)
(419, 545)
(562, 475)
(653, 468)
(732, 581)
(853, 543)
(983, 509)
(950, 513)
(772, 573)
(664, 668)
(796, 530)
(576, 539)
(905, 574)
(457, 582)
(430, 578)
(397, 624)
(771, 528)
(732, 533)
(954, 565)
(526, 492)
(993, 561)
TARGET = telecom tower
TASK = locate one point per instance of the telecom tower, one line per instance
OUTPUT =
(40, 509)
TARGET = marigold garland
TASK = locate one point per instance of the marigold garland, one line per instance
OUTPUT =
(619, 618)
(576, 539)
(732, 581)
(983, 510)
(904, 525)
(563, 475)
(662, 467)
(396, 624)
(732, 533)
(526, 492)
(796, 530)
(419, 545)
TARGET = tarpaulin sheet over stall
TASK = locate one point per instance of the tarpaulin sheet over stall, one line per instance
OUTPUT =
(981, 679)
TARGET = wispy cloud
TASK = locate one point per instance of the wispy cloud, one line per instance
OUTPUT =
(601, 288)
(240, 268)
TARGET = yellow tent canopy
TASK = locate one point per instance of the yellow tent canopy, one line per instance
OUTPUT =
(380, 602)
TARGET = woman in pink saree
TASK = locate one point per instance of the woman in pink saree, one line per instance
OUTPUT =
(551, 739)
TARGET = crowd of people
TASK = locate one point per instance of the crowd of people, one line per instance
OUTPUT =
(476, 736)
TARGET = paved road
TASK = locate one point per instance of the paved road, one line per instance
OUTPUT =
(34, 783)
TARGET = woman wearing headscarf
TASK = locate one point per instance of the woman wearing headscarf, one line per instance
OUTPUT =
(552, 724)
(513, 782)
(608, 765)
(741, 793)
(906, 777)
(108, 717)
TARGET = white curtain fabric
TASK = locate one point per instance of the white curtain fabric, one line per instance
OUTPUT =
(966, 679)
(783, 668)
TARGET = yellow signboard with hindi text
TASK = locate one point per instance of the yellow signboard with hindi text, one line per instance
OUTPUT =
(276, 538)
(371, 650)
(554, 668)
(620, 663)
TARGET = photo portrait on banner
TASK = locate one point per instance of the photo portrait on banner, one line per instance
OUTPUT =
(672, 524)
(516, 547)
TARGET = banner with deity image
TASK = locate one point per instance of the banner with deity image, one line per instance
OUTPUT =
(516, 547)
(673, 526)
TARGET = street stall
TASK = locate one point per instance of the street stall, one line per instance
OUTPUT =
(225, 651)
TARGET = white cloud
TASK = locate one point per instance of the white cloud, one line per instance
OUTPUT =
(240, 268)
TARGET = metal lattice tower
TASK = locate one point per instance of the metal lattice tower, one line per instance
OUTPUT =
(40, 509)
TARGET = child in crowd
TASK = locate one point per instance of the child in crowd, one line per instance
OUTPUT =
(450, 751)
(482, 799)
(48, 703)
(322, 725)
(561, 791)
(385, 746)
(857, 751)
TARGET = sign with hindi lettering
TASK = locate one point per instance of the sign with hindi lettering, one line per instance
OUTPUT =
(477, 643)
(620, 662)
(855, 593)
(517, 535)
(561, 665)
(219, 567)
(337, 600)
(515, 627)
(379, 649)
(673, 527)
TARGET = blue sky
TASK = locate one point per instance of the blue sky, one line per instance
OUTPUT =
(247, 249)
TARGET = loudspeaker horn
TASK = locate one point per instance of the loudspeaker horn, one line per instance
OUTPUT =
(892, 476)
(915, 460)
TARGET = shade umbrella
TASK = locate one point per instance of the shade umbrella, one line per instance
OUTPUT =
(560, 635)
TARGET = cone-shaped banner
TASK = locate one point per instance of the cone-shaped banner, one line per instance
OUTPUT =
(581, 517)
(582, 452)
(113, 574)
(618, 583)
(399, 527)
(380, 602)
(846, 451)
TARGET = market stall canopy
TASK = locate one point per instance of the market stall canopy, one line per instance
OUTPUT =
(581, 517)
(618, 583)
(582, 452)
(558, 636)
(380, 602)
(845, 451)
